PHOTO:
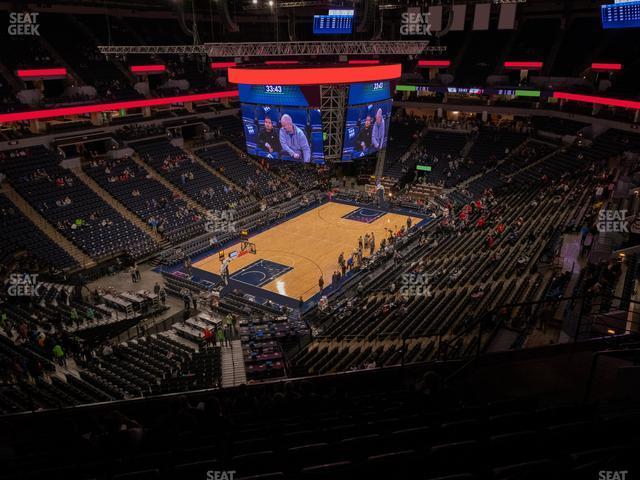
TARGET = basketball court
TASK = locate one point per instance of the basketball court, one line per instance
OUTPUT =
(291, 256)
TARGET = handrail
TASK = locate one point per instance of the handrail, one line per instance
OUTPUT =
(213, 390)
(594, 366)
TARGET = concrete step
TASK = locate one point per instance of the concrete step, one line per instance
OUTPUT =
(232, 362)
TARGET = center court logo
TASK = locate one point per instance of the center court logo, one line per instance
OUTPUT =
(613, 221)
(22, 284)
(23, 24)
(415, 23)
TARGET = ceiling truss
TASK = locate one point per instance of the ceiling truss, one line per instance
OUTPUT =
(277, 49)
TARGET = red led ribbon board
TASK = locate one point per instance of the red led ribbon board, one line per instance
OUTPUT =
(609, 102)
(221, 65)
(364, 62)
(314, 76)
(606, 67)
(524, 65)
(36, 73)
(104, 107)
(148, 68)
(434, 63)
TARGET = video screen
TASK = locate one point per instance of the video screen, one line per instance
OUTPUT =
(338, 21)
(360, 93)
(623, 14)
(284, 133)
(366, 130)
(284, 95)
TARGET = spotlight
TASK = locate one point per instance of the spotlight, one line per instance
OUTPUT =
(254, 2)
(271, 3)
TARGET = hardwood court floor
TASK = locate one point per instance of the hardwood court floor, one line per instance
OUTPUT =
(310, 244)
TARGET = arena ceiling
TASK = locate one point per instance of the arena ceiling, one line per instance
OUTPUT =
(235, 20)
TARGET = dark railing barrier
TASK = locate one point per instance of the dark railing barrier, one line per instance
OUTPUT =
(156, 327)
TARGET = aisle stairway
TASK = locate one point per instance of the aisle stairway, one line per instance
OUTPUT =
(215, 172)
(233, 372)
(160, 179)
(121, 209)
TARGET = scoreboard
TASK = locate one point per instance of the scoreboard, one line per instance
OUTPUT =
(283, 113)
(337, 22)
(621, 15)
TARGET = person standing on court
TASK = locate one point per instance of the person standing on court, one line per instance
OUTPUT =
(321, 282)
(372, 244)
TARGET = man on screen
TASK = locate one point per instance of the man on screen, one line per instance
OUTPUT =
(268, 139)
(377, 136)
(363, 141)
(293, 140)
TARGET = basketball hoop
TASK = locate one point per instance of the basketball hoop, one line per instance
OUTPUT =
(247, 247)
